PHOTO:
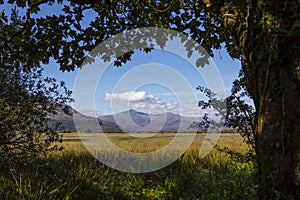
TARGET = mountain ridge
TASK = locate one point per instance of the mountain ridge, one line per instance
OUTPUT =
(165, 122)
(126, 121)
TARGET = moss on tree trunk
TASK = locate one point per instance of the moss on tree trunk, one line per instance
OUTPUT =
(278, 132)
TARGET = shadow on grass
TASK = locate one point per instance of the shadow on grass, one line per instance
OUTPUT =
(71, 175)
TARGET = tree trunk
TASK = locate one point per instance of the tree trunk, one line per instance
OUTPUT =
(279, 136)
(275, 87)
(271, 67)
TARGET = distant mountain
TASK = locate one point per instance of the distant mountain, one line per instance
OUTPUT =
(128, 121)
(84, 123)
(134, 121)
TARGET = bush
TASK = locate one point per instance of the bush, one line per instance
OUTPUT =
(26, 99)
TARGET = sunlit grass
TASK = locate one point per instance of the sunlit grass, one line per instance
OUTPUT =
(71, 141)
(74, 173)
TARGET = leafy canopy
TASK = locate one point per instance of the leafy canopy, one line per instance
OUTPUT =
(76, 27)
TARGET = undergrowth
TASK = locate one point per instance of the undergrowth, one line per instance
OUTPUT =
(73, 175)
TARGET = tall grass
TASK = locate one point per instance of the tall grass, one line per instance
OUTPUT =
(75, 174)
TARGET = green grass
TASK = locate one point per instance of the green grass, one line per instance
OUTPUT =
(148, 144)
(74, 174)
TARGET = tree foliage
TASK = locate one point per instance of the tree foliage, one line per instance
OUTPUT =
(26, 100)
(238, 113)
(70, 33)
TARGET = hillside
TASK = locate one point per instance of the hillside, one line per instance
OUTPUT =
(128, 121)
(84, 123)
(135, 121)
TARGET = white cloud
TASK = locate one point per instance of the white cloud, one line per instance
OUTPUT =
(157, 107)
(141, 101)
(192, 101)
(125, 96)
(152, 104)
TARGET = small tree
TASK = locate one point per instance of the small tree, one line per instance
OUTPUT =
(238, 114)
(26, 99)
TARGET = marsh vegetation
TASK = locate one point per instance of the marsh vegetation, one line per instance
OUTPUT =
(73, 173)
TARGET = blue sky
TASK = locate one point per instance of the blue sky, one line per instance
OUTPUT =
(112, 96)
(122, 88)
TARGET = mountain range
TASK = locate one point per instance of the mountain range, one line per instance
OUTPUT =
(135, 121)
(127, 121)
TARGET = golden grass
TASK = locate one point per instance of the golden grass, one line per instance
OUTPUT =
(72, 142)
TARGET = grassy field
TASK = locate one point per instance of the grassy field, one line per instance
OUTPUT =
(145, 143)
(73, 173)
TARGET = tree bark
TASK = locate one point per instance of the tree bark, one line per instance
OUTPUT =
(278, 136)
(271, 66)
